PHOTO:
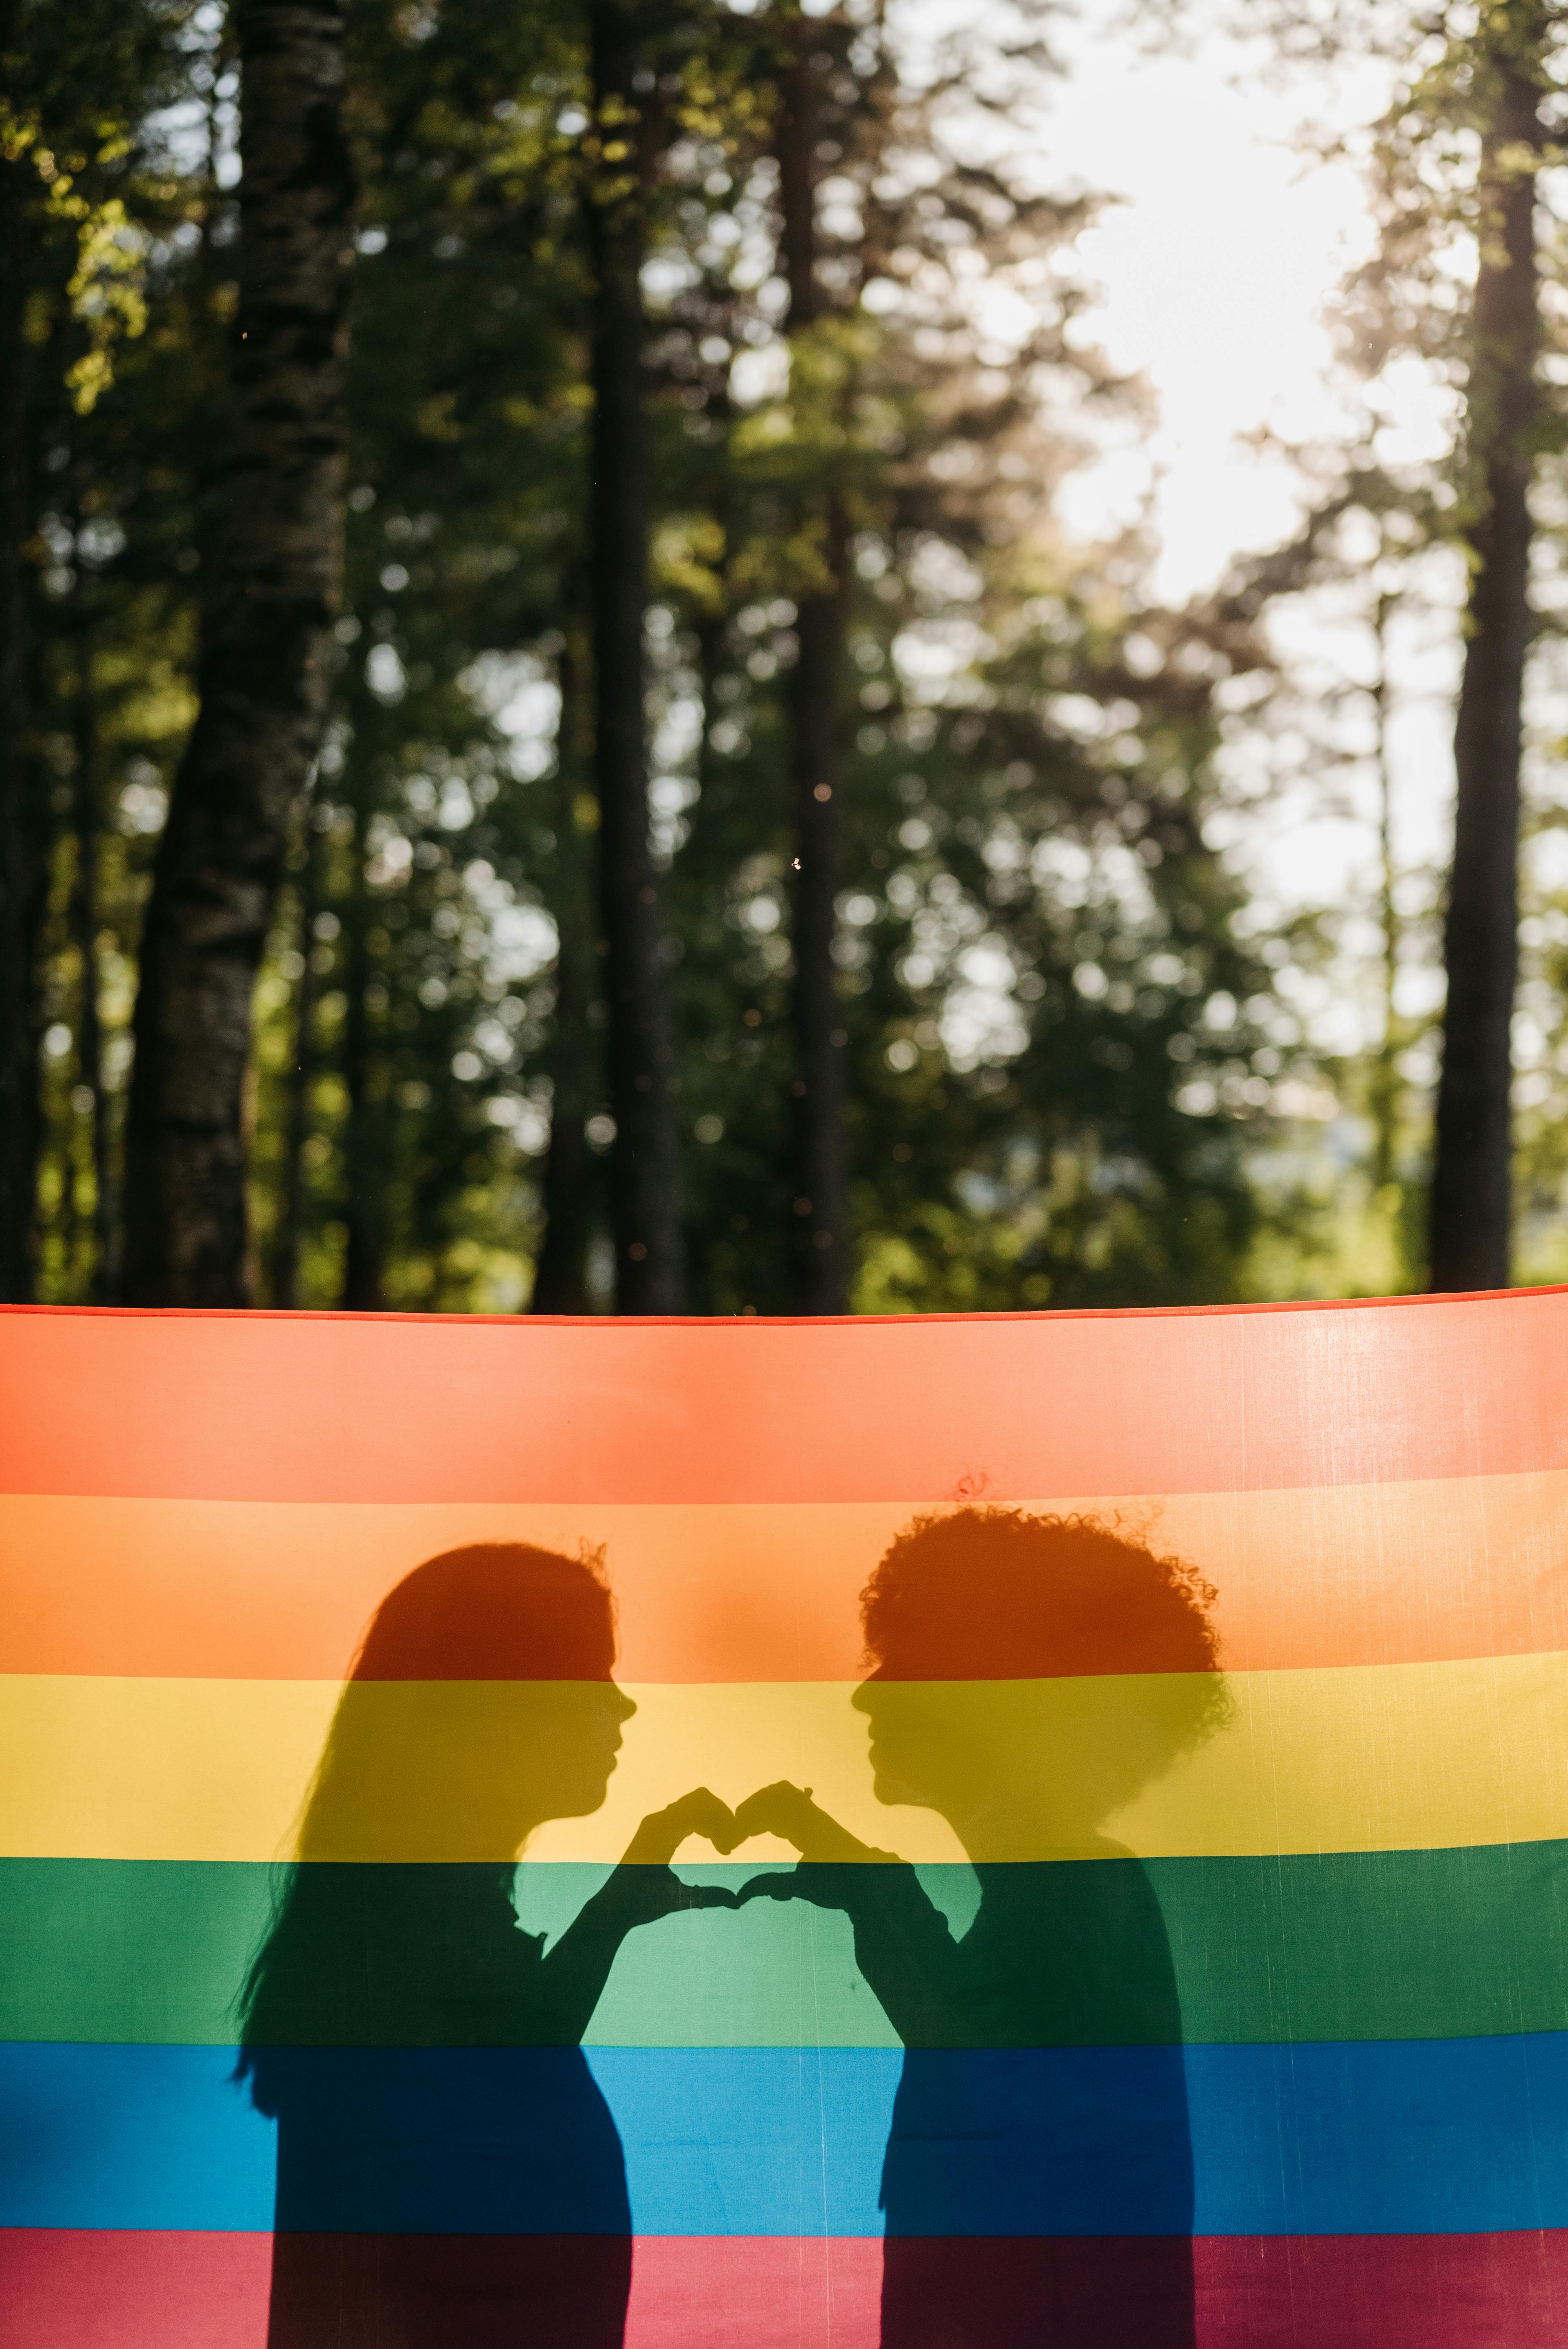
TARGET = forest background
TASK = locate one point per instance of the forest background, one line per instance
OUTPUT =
(721, 821)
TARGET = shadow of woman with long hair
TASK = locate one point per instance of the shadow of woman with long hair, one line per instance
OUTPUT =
(448, 2170)
(1032, 1675)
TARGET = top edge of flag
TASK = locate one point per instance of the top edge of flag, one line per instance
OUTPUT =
(985, 1407)
(1057, 1313)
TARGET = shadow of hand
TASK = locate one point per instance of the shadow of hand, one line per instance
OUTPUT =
(828, 1851)
(645, 1875)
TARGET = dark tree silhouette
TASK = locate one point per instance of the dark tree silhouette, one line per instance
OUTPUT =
(815, 692)
(645, 1170)
(559, 1279)
(268, 602)
(1471, 1174)
(21, 857)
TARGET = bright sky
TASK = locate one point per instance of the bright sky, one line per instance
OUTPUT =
(1215, 270)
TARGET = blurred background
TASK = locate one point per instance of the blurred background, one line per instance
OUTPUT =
(770, 658)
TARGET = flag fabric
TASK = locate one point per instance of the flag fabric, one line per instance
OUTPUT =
(839, 1835)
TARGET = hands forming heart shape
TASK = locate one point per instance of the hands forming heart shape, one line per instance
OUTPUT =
(782, 1809)
(773, 1810)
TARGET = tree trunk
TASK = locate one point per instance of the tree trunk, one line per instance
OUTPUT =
(20, 829)
(364, 1165)
(819, 1249)
(560, 1273)
(1386, 1068)
(286, 1251)
(1472, 1184)
(645, 1167)
(712, 626)
(84, 929)
(268, 603)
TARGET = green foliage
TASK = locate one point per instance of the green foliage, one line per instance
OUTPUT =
(1063, 1050)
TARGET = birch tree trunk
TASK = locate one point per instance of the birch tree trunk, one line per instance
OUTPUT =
(817, 1093)
(645, 1166)
(269, 598)
(1471, 1174)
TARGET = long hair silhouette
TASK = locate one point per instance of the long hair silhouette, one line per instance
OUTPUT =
(448, 2170)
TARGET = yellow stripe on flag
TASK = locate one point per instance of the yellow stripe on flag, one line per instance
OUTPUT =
(1377, 1757)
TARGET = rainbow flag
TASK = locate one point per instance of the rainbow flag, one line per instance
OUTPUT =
(1011, 1830)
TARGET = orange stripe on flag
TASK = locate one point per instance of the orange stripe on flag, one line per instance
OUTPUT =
(256, 1590)
(386, 1408)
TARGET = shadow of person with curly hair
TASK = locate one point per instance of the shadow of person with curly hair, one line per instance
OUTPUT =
(448, 2170)
(1033, 1674)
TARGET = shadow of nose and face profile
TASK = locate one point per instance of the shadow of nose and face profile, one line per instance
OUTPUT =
(448, 2170)
(1032, 1675)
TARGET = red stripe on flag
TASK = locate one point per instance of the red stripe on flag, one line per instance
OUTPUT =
(62, 2289)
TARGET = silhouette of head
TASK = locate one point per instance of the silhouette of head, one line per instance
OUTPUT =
(1031, 1674)
(480, 1704)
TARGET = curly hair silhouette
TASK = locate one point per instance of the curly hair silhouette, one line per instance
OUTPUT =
(1031, 1675)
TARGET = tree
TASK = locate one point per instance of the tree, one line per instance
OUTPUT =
(567, 1191)
(21, 858)
(87, 822)
(1472, 1160)
(1457, 160)
(815, 695)
(1059, 1051)
(299, 1067)
(268, 603)
(1087, 1145)
(644, 1170)
(364, 1078)
(431, 1059)
(82, 89)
